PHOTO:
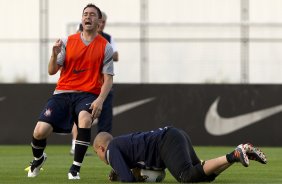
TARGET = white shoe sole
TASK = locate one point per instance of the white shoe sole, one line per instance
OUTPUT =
(36, 171)
(255, 153)
(71, 177)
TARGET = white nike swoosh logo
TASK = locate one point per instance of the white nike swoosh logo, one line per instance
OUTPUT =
(128, 106)
(2, 98)
(217, 125)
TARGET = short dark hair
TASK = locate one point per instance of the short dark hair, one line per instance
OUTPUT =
(93, 6)
(80, 27)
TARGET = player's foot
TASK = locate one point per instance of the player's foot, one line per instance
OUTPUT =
(240, 155)
(36, 165)
(73, 175)
(254, 153)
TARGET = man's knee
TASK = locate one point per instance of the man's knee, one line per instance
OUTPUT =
(194, 174)
(84, 120)
(42, 130)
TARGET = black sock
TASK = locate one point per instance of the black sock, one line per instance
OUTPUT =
(81, 145)
(38, 147)
(75, 168)
(230, 157)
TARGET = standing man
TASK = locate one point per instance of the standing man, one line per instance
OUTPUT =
(85, 62)
(108, 36)
(106, 117)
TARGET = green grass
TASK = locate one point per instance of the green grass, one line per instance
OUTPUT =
(15, 158)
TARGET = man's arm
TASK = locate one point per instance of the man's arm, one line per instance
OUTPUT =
(108, 72)
(115, 55)
(106, 87)
(53, 67)
(120, 167)
(135, 171)
(97, 105)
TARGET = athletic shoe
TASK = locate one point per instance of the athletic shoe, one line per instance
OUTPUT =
(36, 165)
(241, 155)
(73, 175)
(255, 153)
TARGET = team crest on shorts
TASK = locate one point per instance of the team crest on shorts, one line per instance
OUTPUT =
(48, 112)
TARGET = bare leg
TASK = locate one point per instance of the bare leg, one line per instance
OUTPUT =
(74, 131)
(82, 143)
(74, 135)
(42, 130)
(216, 165)
(220, 170)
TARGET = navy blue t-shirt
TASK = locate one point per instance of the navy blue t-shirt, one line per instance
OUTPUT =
(140, 149)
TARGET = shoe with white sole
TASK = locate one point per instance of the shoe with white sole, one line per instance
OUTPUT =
(240, 154)
(254, 153)
(73, 175)
(36, 165)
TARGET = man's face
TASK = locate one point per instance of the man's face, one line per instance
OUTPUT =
(102, 25)
(90, 19)
(100, 151)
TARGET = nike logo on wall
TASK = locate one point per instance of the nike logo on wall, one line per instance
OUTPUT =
(128, 106)
(217, 125)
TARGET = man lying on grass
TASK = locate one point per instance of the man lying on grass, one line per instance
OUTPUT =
(169, 148)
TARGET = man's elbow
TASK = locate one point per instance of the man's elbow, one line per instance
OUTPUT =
(115, 56)
(52, 71)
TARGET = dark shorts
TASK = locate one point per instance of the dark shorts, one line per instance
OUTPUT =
(180, 157)
(62, 110)
(106, 116)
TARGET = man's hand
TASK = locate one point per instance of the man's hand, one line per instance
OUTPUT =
(53, 67)
(113, 176)
(57, 47)
(96, 107)
(137, 174)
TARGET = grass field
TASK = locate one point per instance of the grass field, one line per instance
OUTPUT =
(15, 158)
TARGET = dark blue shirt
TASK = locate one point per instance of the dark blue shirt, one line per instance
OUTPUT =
(106, 36)
(140, 149)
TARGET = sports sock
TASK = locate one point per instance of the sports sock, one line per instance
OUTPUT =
(81, 145)
(38, 147)
(73, 144)
(75, 167)
(231, 157)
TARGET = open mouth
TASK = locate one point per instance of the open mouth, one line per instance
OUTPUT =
(87, 23)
